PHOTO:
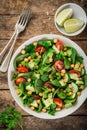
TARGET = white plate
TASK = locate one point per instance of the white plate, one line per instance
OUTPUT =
(78, 12)
(63, 112)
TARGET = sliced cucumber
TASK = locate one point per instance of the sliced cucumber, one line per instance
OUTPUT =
(55, 49)
(31, 88)
(68, 105)
(74, 87)
(34, 103)
(49, 101)
(79, 82)
(62, 83)
(74, 76)
(67, 101)
(67, 76)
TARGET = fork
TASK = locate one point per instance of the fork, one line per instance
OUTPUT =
(19, 27)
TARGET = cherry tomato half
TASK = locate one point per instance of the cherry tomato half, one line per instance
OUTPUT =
(22, 69)
(49, 85)
(20, 80)
(59, 45)
(40, 49)
(58, 102)
(59, 65)
(75, 72)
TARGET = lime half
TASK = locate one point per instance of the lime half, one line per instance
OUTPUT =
(73, 25)
(63, 15)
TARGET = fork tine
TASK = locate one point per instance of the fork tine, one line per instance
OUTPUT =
(26, 18)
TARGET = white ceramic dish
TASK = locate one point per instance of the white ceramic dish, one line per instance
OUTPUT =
(63, 112)
(78, 12)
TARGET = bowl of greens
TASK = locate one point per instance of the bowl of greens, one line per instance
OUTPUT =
(47, 76)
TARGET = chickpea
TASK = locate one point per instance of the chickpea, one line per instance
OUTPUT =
(55, 40)
(32, 107)
(23, 51)
(72, 65)
(65, 48)
(50, 59)
(29, 80)
(29, 58)
(70, 93)
(44, 110)
(63, 71)
(20, 65)
(65, 80)
(69, 59)
(26, 59)
(18, 91)
(82, 87)
(29, 92)
(39, 56)
(70, 86)
(81, 65)
(40, 94)
(35, 43)
(76, 66)
(52, 89)
(50, 76)
(62, 74)
(38, 101)
(78, 93)
(58, 109)
(65, 53)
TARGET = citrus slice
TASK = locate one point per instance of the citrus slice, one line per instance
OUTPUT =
(63, 15)
(73, 25)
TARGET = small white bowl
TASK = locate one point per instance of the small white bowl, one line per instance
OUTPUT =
(78, 13)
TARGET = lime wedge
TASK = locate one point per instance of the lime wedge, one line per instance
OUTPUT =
(73, 25)
(63, 15)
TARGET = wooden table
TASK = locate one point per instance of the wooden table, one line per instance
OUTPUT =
(42, 22)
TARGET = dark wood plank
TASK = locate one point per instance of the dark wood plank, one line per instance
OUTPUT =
(68, 123)
(14, 7)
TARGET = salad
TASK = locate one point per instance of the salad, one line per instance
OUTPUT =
(49, 76)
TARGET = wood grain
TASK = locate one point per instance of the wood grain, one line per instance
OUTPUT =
(42, 22)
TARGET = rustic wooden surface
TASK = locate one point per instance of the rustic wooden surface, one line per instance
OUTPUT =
(41, 23)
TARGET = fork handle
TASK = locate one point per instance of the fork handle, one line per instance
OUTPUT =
(5, 63)
(6, 47)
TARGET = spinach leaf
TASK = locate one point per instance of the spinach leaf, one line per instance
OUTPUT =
(45, 43)
(73, 56)
(38, 85)
(67, 63)
(18, 59)
(45, 77)
(79, 59)
(55, 83)
(85, 79)
(52, 109)
(29, 48)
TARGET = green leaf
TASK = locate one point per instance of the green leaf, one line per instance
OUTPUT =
(45, 77)
(73, 56)
(67, 63)
(29, 48)
(45, 43)
(85, 80)
(10, 117)
(55, 83)
(52, 109)
(18, 59)
(62, 95)
(38, 85)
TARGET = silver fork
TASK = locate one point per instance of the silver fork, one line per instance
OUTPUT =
(19, 27)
